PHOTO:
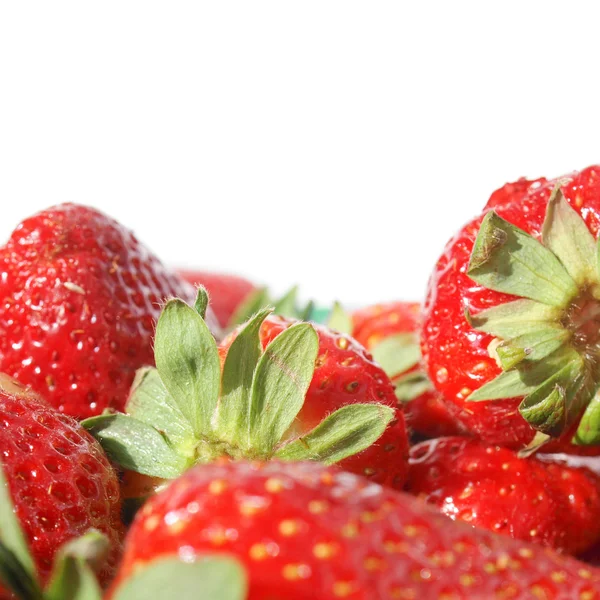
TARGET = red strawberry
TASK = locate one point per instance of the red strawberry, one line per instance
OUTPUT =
(227, 292)
(60, 480)
(345, 374)
(390, 331)
(80, 297)
(511, 323)
(525, 498)
(306, 531)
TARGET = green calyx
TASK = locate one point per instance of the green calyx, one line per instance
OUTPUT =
(190, 409)
(547, 342)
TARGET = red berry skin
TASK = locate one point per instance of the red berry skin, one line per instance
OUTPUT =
(305, 531)
(426, 414)
(456, 355)
(80, 298)
(60, 481)
(226, 292)
(346, 374)
(525, 498)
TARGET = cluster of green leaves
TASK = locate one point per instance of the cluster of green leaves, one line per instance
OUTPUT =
(534, 345)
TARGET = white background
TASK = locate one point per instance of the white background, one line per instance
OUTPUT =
(334, 144)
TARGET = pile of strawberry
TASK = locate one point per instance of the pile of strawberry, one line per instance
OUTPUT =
(169, 434)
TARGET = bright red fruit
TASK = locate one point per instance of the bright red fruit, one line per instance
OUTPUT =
(466, 347)
(525, 498)
(227, 292)
(80, 297)
(425, 412)
(306, 531)
(346, 374)
(60, 480)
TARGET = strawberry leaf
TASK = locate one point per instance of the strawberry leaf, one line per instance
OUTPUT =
(512, 319)
(255, 301)
(73, 577)
(565, 233)
(281, 380)
(534, 346)
(506, 259)
(411, 386)
(233, 413)
(347, 431)
(201, 303)
(397, 353)
(209, 578)
(588, 430)
(525, 378)
(286, 305)
(339, 319)
(188, 363)
(11, 534)
(15, 577)
(150, 402)
(136, 446)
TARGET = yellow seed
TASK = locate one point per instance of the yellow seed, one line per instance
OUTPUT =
(218, 486)
(294, 572)
(317, 507)
(467, 580)
(373, 563)
(152, 523)
(490, 568)
(273, 485)
(258, 552)
(526, 553)
(411, 530)
(343, 589)
(289, 528)
(350, 530)
(324, 551)
(585, 573)
(559, 576)
(587, 595)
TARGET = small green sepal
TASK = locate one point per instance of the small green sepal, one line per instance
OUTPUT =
(346, 432)
(339, 320)
(209, 577)
(397, 353)
(201, 303)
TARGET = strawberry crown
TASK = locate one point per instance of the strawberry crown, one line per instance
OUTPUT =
(221, 578)
(191, 410)
(547, 342)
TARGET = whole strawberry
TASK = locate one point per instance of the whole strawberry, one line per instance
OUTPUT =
(512, 328)
(80, 297)
(345, 374)
(535, 500)
(60, 481)
(305, 531)
(253, 398)
(391, 333)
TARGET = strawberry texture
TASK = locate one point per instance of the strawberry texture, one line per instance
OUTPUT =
(549, 503)
(305, 531)
(60, 481)
(80, 297)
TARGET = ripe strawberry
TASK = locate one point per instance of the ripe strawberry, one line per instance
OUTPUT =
(305, 531)
(242, 402)
(228, 293)
(60, 480)
(525, 498)
(345, 374)
(80, 297)
(391, 331)
(511, 324)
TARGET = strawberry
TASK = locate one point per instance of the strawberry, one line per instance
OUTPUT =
(511, 329)
(228, 293)
(345, 374)
(546, 502)
(391, 331)
(80, 297)
(60, 480)
(306, 531)
(238, 401)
